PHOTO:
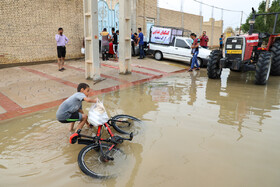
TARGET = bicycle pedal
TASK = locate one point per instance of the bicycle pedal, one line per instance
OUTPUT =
(73, 138)
(131, 136)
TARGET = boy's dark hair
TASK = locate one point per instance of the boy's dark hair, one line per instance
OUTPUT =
(135, 34)
(193, 34)
(139, 29)
(222, 35)
(117, 31)
(82, 85)
(59, 29)
(104, 29)
(113, 29)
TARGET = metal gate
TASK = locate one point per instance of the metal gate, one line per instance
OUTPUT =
(107, 18)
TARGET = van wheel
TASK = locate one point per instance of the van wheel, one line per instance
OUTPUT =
(158, 55)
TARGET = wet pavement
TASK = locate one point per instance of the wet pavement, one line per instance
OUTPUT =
(196, 132)
(28, 89)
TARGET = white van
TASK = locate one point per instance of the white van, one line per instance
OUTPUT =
(178, 49)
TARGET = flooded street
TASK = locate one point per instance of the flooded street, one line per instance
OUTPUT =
(196, 132)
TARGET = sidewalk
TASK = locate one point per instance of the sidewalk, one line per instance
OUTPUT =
(28, 89)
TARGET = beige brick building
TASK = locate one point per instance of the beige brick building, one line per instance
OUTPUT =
(28, 27)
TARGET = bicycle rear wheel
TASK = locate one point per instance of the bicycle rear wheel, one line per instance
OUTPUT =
(91, 163)
(126, 124)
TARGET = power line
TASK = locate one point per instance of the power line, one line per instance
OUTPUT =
(217, 7)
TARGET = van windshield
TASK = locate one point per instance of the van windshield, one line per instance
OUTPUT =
(189, 41)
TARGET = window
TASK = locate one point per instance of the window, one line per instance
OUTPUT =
(181, 43)
(190, 41)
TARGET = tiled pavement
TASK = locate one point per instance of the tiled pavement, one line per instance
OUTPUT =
(28, 89)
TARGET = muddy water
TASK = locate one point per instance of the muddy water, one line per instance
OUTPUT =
(196, 132)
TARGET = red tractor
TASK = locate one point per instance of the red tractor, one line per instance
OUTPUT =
(245, 53)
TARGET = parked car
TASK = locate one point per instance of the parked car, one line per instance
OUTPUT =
(165, 44)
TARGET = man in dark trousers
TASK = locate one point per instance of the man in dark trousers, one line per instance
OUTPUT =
(221, 39)
(132, 44)
(204, 40)
(61, 41)
(141, 43)
(195, 51)
(115, 42)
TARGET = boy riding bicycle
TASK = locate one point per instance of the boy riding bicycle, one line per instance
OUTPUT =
(71, 111)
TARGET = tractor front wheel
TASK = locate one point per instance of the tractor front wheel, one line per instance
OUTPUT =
(275, 64)
(263, 68)
(213, 67)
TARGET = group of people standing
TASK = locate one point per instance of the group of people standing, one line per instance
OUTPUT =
(105, 43)
(200, 41)
(138, 39)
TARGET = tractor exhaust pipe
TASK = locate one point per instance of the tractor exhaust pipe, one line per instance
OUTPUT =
(252, 22)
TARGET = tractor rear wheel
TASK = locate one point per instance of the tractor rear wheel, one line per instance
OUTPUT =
(263, 68)
(275, 64)
(213, 67)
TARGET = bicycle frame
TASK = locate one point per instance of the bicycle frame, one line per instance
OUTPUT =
(115, 140)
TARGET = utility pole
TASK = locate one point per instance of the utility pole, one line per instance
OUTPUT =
(182, 12)
(240, 22)
(266, 10)
(201, 18)
(267, 5)
(158, 13)
(112, 20)
(222, 18)
(125, 41)
(92, 64)
(212, 25)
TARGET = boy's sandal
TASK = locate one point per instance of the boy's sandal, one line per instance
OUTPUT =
(190, 70)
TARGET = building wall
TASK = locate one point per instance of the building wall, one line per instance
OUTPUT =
(28, 29)
(170, 18)
(145, 9)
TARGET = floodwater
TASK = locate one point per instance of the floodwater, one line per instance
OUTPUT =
(196, 132)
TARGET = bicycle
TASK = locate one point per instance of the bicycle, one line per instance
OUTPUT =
(96, 159)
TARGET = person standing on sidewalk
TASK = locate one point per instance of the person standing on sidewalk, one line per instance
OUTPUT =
(141, 43)
(204, 40)
(105, 43)
(61, 41)
(195, 51)
(115, 42)
(221, 42)
(133, 44)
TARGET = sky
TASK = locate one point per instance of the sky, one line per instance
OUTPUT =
(230, 18)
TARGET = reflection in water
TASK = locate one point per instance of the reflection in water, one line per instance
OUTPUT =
(136, 150)
(239, 102)
(193, 90)
(189, 133)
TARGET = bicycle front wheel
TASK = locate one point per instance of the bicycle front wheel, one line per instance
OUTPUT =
(126, 124)
(91, 163)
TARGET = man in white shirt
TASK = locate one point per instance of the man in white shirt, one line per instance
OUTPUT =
(61, 41)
